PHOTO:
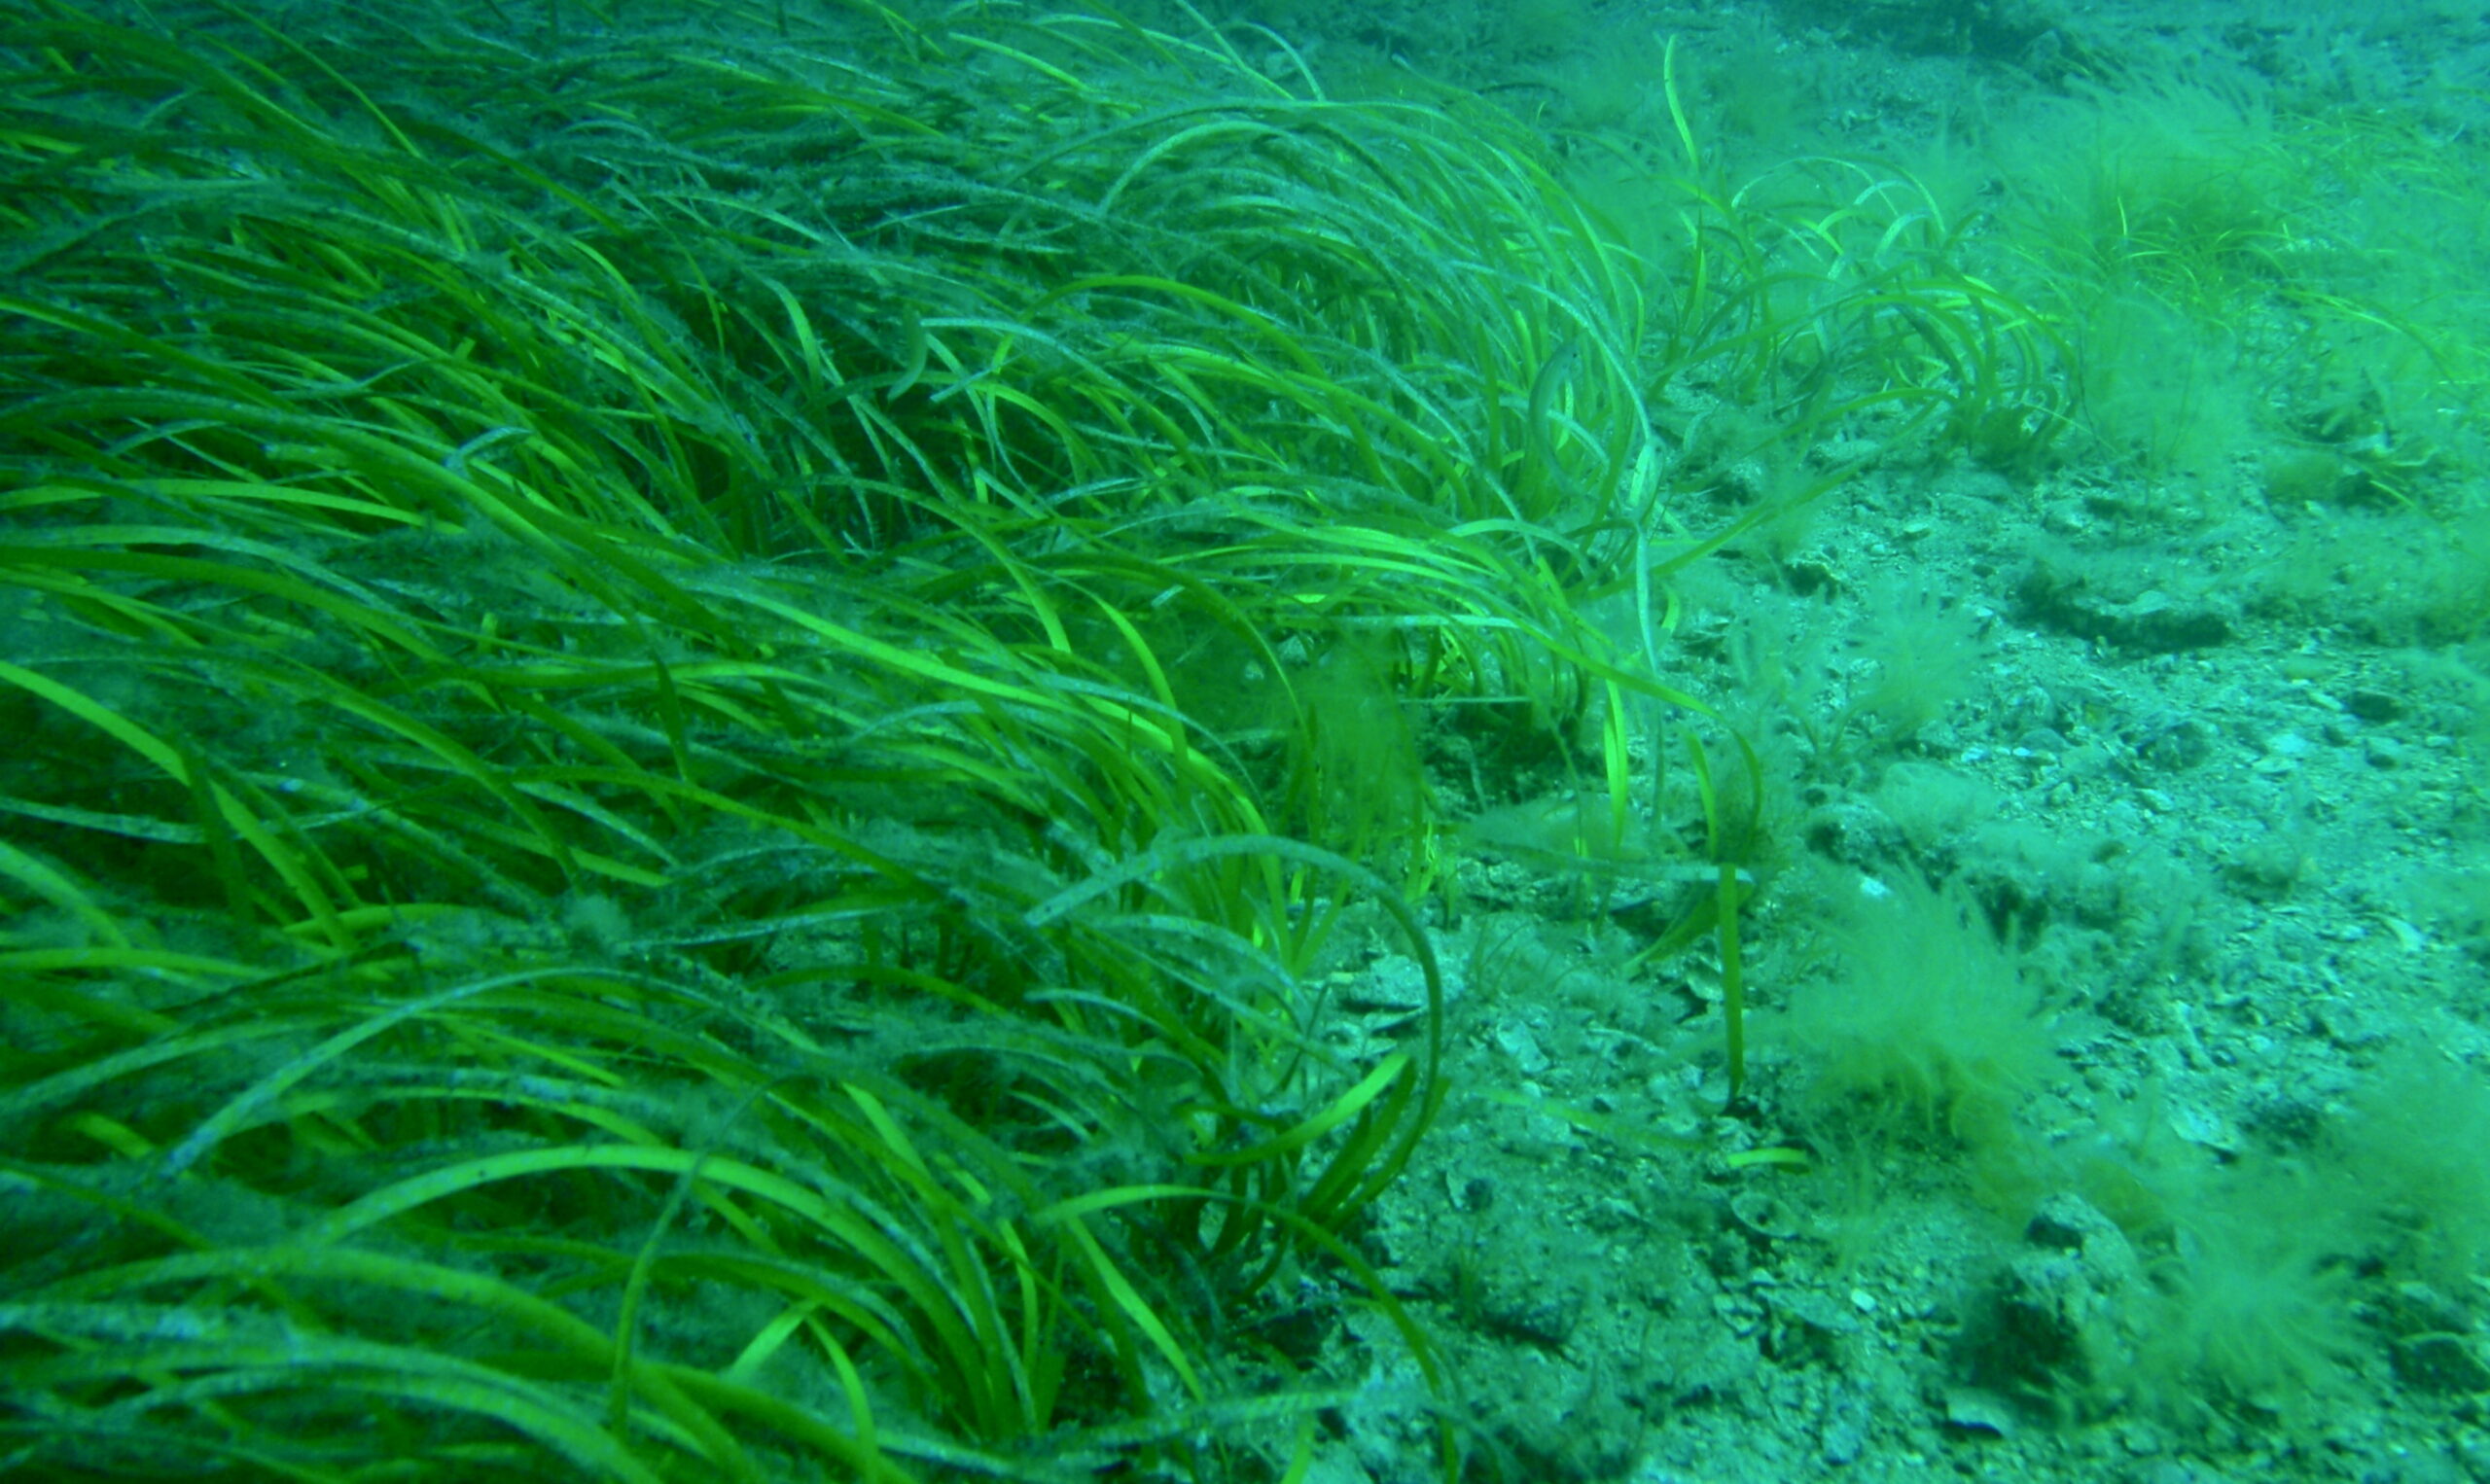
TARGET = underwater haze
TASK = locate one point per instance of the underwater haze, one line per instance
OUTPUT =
(1244, 740)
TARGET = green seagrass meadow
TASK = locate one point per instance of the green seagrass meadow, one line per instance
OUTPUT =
(700, 703)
